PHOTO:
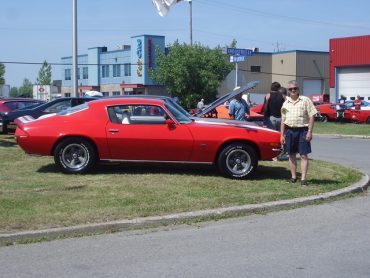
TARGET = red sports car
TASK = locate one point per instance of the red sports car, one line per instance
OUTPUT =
(359, 116)
(146, 129)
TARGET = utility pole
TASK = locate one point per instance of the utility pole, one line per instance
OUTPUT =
(191, 21)
(74, 51)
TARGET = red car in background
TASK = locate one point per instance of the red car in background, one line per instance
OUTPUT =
(126, 129)
(358, 116)
(328, 112)
(10, 104)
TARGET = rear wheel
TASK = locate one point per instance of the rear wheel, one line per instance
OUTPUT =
(237, 161)
(75, 155)
(368, 120)
(324, 118)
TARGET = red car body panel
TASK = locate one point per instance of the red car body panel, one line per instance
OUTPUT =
(198, 141)
(359, 116)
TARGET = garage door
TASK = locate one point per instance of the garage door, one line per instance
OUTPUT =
(354, 81)
(312, 87)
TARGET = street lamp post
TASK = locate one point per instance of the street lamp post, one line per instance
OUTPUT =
(74, 50)
(191, 21)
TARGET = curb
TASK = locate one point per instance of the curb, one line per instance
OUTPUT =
(342, 136)
(360, 186)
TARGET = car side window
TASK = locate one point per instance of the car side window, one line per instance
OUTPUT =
(11, 104)
(57, 107)
(136, 114)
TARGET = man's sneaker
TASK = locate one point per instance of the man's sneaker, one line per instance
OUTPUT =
(304, 182)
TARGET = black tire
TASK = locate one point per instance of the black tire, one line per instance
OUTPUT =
(368, 120)
(75, 155)
(237, 161)
(324, 118)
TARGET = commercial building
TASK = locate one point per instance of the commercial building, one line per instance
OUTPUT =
(126, 70)
(118, 72)
(309, 68)
(350, 67)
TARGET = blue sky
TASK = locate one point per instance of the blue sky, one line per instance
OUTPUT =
(32, 31)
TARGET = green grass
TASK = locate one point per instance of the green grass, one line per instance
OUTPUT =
(342, 128)
(34, 194)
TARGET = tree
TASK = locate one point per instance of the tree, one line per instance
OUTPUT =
(26, 89)
(2, 73)
(44, 74)
(191, 72)
(13, 92)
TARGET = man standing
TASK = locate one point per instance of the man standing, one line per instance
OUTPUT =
(238, 108)
(298, 116)
(358, 103)
(200, 105)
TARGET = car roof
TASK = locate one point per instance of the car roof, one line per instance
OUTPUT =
(122, 100)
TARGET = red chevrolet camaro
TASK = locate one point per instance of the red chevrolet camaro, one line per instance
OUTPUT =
(146, 129)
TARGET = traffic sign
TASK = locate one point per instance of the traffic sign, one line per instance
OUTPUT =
(238, 51)
(235, 59)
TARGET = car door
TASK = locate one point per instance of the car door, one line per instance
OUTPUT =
(134, 135)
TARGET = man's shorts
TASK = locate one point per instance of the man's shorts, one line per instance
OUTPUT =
(295, 140)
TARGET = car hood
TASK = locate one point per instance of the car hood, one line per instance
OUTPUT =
(227, 122)
(227, 97)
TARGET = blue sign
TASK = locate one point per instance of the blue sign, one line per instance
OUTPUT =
(238, 51)
(235, 59)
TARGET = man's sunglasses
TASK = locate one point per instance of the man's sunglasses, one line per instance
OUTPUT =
(294, 88)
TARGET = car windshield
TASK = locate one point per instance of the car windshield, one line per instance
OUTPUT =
(74, 109)
(180, 116)
(178, 106)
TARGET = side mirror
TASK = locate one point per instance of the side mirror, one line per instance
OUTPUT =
(170, 123)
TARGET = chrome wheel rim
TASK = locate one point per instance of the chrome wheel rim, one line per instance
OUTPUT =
(238, 162)
(75, 156)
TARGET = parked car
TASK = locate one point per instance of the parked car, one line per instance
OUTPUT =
(328, 112)
(7, 119)
(10, 104)
(359, 116)
(222, 112)
(146, 129)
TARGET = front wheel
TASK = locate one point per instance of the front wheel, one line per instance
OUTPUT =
(237, 161)
(75, 155)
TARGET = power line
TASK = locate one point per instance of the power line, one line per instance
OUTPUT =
(273, 15)
(282, 74)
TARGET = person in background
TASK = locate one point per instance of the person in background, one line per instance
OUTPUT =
(297, 121)
(358, 103)
(284, 155)
(200, 105)
(272, 107)
(341, 107)
(238, 108)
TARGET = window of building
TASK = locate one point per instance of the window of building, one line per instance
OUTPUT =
(67, 74)
(116, 70)
(127, 70)
(116, 93)
(105, 94)
(78, 74)
(67, 95)
(255, 68)
(105, 71)
(85, 73)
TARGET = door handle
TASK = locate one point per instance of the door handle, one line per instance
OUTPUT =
(113, 130)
